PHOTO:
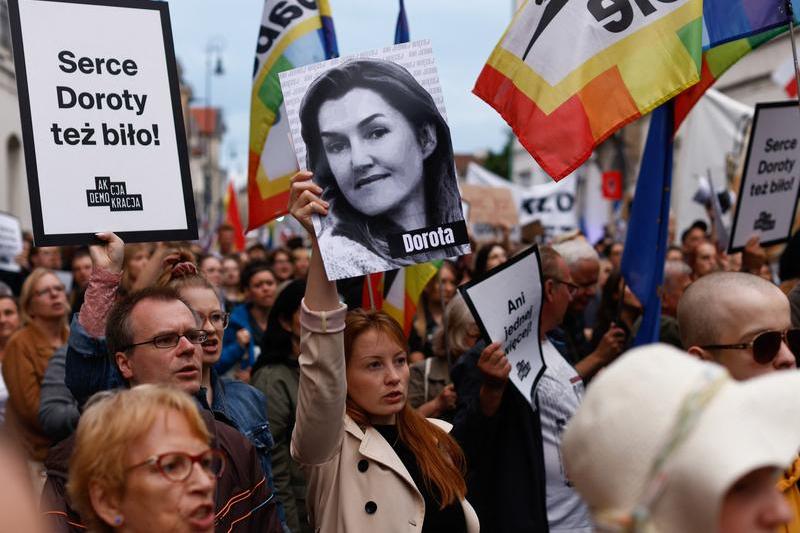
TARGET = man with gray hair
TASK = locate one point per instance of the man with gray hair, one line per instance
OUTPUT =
(584, 267)
(677, 277)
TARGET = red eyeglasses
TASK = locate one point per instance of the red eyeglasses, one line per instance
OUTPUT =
(177, 466)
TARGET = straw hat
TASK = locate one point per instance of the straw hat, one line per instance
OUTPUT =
(662, 436)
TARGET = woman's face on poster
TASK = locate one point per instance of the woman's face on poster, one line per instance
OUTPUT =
(374, 153)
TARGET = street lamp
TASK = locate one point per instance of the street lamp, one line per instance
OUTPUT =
(214, 67)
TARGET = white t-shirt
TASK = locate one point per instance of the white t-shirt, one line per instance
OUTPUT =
(559, 392)
(3, 399)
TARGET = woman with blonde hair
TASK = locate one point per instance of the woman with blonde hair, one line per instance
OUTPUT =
(142, 462)
(136, 258)
(43, 308)
(372, 462)
(430, 389)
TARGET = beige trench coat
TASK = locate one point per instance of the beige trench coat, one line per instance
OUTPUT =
(356, 482)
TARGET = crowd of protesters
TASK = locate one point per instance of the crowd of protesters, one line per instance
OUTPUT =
(167, 387)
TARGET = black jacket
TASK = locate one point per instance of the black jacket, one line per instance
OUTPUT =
(506, 476)
(242, 496)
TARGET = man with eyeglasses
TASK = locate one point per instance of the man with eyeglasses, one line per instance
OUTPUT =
(558, 395)
(584, 268)
(153, 337)
(743, 323)
(499, 417)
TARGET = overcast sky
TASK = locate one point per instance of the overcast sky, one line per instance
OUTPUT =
(463, 33)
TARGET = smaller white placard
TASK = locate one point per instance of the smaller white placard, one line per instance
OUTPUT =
(507, 305)
(10, 241)
(768, 194)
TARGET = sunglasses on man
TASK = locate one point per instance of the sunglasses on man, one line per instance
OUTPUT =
(765, 345)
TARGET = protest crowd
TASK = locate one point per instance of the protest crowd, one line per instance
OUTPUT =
(306, 411)
(389, 348)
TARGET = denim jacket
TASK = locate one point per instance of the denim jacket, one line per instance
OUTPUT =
(235, 403)
(232, 353)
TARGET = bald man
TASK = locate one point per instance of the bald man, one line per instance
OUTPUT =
(722, 312)
(721, 316)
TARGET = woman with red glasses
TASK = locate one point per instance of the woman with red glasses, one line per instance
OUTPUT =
(142, 462)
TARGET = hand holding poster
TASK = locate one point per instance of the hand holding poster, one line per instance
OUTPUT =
(506, 306)
(372, 129)
(104, 139)
(770, 186)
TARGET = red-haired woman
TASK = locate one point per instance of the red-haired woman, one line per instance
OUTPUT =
(371, 461)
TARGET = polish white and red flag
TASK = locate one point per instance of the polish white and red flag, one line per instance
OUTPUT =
(785, 77)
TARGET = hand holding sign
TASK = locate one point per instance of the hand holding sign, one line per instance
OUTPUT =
(304, 201)
(506, 306)
(753, 256)
(494, 366)
(110, 255)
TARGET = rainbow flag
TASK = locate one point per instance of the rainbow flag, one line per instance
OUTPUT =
(730, 20)
(397, 292)
(731, 30)
(289, 37)
(566, 75)
(715, 62)
(403, 293)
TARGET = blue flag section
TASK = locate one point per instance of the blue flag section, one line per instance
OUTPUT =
(643, 257)
(729, 20)
(401, 34)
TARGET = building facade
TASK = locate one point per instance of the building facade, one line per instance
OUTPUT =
(13, 180)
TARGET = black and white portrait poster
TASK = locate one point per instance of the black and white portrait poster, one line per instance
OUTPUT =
(507, 304)
(372, 128)
(103, 132)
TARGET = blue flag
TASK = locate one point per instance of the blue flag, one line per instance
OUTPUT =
(643, 269)
(730, 20)
(401, 34)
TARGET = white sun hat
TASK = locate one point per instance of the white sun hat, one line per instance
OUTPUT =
(661, 436)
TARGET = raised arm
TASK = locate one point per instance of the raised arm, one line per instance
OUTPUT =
(88, 367)
(319, 424)
(321, 294)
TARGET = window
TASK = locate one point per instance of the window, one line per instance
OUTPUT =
(5, 28)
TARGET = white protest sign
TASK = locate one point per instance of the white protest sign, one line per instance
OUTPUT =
(506, 305)
(104, 139)
(553, 204)
(10, 241)
(770, 186)
(723, 238)
(372, 128)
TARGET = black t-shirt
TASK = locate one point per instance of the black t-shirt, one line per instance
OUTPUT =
(451, 518)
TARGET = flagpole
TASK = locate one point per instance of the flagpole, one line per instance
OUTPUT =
(790, 12)
(370, 292)
(620, 301)
(444, 324)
